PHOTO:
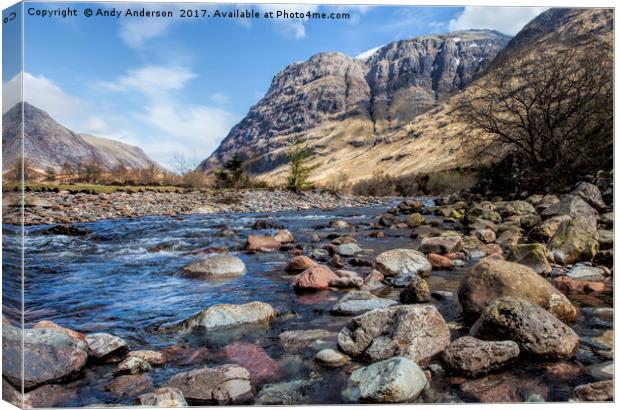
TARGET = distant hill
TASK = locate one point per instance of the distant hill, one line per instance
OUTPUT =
(48, 144)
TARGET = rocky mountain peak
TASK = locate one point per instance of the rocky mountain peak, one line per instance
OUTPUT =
(385, 90)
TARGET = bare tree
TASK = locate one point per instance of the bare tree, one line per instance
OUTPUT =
(90, 171)
(148, 175)
(553, 109)
(120, 173)
(22, 170)
(50, 174)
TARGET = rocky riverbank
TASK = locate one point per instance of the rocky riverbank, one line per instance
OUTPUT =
(65, 207)
(529, 318)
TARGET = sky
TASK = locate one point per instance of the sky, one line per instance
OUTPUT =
(176, 86)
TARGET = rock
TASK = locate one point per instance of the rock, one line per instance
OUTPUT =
(440, 262)
(298, 264)
(589, 193)
(284, 236)
(227, 315)
(301, 339)
(257, 243)
(316, 277)
(357, 302)
(568, 285)
(602, 371)
(388, 219)
(373, 281)
(348, 249)
(133, 365)
(45, 396)
(266, 224)
(130, 385)
(162, 397)
(416, 292)
(331, 358)
(285, 393)
(485, 235)
(442, 244)
(410, 205)
(343, 239)
(339, 224)
(474, 357)
(104, 346)
(534, 255)
(492, 278)
(494, 388)
(215, 267)
(536, 331)
(46, 324)
(347, 279)
(605, 239)
(394, 380)
(607, 219)
(544, 231)
(575, 238)
(48, 356)
(598, 391)
(404, 263)
(415, 331)
(261, 366)
(562, 371)
(584, 272)
(425, 231)
(150, 356)
(415, 220)
(226, 384)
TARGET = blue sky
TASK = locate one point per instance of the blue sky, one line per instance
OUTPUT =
(176, 86)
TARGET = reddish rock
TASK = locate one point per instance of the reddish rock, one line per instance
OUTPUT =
(316, 277)
(455, 256)
(599, 391)
(439, 262)
(130, 385)
(377, 234)
(257, 243)
(46, 324)
(570, 285)
(150, 356)
(336, 262)
(562, 371)
(284, 236)
(298, 264)
(262, 368)
(188, 355)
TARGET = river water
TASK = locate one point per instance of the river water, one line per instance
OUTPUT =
(120, 279)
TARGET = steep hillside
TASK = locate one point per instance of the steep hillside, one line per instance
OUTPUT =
(399, 134)
(336, 102)
(49, 144)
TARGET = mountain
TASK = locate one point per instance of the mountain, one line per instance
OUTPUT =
(47, 144)
(343, 105)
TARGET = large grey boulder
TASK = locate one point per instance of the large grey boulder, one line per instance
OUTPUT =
(474, 357)
(575, 238)
(358, 302)
(228, 315)
(402, 264)
(589, 193)
(415, 331)
(49, 356)
(215, 267)
(536, 331)
(226, 384)
(394, 380)
(493, 277)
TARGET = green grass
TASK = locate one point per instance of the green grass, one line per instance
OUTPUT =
(90, 188)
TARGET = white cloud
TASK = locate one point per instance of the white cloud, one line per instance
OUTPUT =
(368, 53)
(135, 32)
(220, 98)
(44, 94)
(152, 79)
(507, 20)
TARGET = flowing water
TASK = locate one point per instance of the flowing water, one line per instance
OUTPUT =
(120, 279)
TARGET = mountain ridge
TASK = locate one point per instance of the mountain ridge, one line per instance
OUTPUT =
(48, 144)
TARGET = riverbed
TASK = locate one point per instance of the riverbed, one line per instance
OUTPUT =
(120, 278)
